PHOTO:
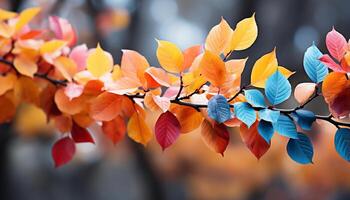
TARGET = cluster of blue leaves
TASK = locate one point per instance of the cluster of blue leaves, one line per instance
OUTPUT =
(277, 90)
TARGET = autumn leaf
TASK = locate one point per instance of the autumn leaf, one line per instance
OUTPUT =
(63, 151)
(170, 56)
(99, 62)
(115, 129)
(263, 68)
(52, 46)
(67, 106)
(25, 66)
(215, 136)
(63, 123)
(4, 14)
(244, 35)
(167, 129)
(189, 118)
(81, 135)
(7, 82)
(30, 119)
(190, 55)
(213, 69)
(303, 91)
(106, 106)
(25, 17)
(255, 143)
(134, 65)
(219, 37)
(8, 109)
(137, 128)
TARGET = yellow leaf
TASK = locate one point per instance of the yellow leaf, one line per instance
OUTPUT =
(169, 56)
(244, 35)
(4, 14)
(52, 46)
(213, 69)
(7, 83)
(263, 68)
(30, 119)
(138, 129)
(6, 30)
(286, 72)
(66, 67)
(117, 72)
(25, 17)
(99, 62)
(219, 37)
(25, 66)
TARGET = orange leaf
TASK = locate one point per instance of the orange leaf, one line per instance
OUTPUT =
(303, 91)
(93, 87)
(215, 136)
(219, 37)
(115, 129)
(213, 68)
(26, 90)
(7, 110)
(134, 65)
(63, 123)
(66, 67)
(138, 129)
(63, 103)
(106, 106)
(189, 56)
(251, 137)
(7, 82)
(236, 66)
(25, 66)
(189, 118)
(157, 75)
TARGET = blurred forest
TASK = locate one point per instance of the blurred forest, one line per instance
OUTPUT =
(187, 170)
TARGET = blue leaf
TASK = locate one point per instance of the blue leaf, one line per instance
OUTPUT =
(342, 143)
(219, 109)
(300, 150)
(255, 98)
(265, 129)
(314, 68)
(269, 115)
(286, 127)
(304, 118)
(245, 113)
(278, 88)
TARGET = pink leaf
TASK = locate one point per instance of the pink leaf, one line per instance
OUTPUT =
(81, 135)
(73, 90)
(303, 91)
(63, 151)
(167, 129)
(79, 54)
(336, 44)
(329, 62)
(63, 30)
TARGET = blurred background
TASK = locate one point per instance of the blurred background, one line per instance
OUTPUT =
(187, 170)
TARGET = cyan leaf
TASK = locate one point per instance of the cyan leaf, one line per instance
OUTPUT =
(219, 109)
(304, 118)
(255, 98)
(286, 127)
(342, 143)
(300, 150)
(269, 115)
(265, 129)
(245, 113)
(314, 68)
(278, 88)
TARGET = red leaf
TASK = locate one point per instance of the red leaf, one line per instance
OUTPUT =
(329, 62)
(215, 136)
(115, 129)
(81, 135)
(251, 137)
(167, 129)
(336, 44)
(63, 151)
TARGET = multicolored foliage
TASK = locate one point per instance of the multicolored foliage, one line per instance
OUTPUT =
(46, 77)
